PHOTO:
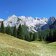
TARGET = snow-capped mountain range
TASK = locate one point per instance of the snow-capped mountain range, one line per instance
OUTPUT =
(33, 24)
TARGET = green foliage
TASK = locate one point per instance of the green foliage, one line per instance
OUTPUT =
(48, 35)
(8, 30)
(22, 32)
(14, 31)
(19, 32)
(35, 36)
(2, 27)
(31, 36)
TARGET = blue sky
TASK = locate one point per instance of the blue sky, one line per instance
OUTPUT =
(34, 8)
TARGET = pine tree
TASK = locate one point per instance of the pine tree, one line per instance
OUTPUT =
(31, 36)
(19, 32)
(14, 31)
(39, 35)
(35, 36)
(2, 27)
(24, 31)
(8, 30)
(54, 35)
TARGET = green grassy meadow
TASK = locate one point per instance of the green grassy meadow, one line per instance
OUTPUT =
(11, 46)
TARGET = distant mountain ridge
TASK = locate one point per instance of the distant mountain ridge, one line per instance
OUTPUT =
(51, 24)
(34, 24)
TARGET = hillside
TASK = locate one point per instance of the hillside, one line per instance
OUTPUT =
(11, 46)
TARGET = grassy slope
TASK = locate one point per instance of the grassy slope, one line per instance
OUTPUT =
(11, 46)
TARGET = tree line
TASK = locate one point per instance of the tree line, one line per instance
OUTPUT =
(22, 32)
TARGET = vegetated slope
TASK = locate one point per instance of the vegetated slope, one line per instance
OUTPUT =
(11, 46)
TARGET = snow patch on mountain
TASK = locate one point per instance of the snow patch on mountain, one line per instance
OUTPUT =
(32, 23)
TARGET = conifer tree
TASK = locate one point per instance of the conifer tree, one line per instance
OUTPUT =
(2, 27)
(31, 36)
(14, 31)
(8, 30)
(19, 32)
